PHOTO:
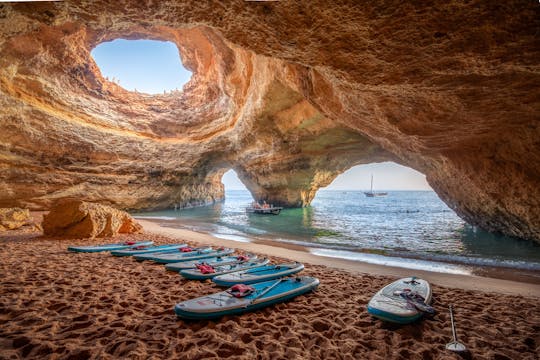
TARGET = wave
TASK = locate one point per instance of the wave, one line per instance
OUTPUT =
(376, 259)
(442, 260)
(156, 217)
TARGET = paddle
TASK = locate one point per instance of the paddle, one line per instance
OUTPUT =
(265, 291)
(455, 345)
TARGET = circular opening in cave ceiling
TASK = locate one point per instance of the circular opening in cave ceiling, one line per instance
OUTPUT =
(147, 66)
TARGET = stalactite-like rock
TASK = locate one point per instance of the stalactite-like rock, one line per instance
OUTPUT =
(290, 94)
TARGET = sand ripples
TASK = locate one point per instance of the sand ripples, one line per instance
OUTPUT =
(61, 305)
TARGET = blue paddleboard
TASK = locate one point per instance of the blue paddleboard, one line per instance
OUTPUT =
(264, 294)
(213, 261)
(198, 274)
(109, 247)
(262, 273)
(147, 249)
(178, 256)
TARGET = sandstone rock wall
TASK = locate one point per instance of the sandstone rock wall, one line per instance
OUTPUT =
(80, 219)
(288, 93)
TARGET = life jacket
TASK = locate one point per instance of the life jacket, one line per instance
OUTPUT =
(205, 268)
(241, 290)
(242, 258)
(186, 249)
(129, 243)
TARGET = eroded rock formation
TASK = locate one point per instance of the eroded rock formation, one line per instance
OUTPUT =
(289, 94)
(80, 219)
(14, 218)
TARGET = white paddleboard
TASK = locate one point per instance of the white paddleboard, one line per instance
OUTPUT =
(388, 304)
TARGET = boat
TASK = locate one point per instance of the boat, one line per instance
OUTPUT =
(242, 298)
(403, 301)
(263, 209)
(371, 193)
(206, 271)
(182, 255)
(138, 250)
(109, 247)
(263, 273)
(213, 261)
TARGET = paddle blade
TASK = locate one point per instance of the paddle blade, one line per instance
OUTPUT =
(456, 346)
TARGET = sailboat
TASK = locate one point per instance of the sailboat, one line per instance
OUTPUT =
(374, 194)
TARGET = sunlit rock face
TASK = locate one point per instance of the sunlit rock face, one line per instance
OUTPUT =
(289, 94)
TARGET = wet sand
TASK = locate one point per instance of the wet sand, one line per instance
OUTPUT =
(60, 305)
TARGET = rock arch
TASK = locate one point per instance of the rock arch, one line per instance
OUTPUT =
(287, 93)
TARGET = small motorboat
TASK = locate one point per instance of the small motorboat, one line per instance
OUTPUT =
(185, 255)
(138, 250)
(275, 210)
(109, 247)
(263, 209)
(213, 261)
(242, 298)
(262, 273)
(206, 271)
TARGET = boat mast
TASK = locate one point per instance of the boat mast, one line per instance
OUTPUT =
(371, 182)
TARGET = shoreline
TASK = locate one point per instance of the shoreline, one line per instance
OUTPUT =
(300, 253)
(520, 269)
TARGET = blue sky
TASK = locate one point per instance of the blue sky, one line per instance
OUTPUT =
(146, 65)
(154, 66)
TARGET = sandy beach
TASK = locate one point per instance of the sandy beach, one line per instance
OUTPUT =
(60, 305)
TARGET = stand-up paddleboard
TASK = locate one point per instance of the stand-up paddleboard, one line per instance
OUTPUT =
(213, 261)
(243, 298)
(109, 247)
(259, 274)
(402, 301)
(177, 256)
(205, 271)
(138, 250)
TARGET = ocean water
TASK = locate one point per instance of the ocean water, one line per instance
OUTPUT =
(412, 229)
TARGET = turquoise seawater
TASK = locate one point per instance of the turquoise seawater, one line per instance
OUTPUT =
(406, 228)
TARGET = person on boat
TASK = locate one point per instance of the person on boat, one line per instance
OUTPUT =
(265, 205)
